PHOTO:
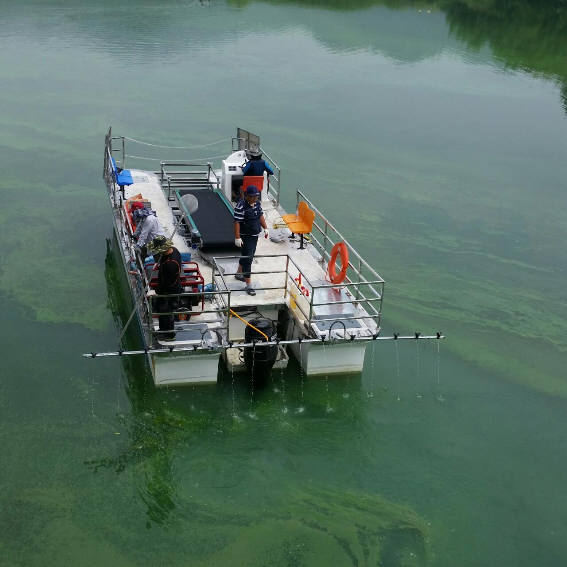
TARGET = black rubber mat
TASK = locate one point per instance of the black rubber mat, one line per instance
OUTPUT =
(213, 219)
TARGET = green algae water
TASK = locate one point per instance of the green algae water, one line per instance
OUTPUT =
(434, 135)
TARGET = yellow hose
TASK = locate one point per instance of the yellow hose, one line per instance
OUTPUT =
(249, 324)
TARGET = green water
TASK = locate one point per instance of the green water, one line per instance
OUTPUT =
(434, 135)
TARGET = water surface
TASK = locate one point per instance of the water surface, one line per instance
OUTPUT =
(434, 136)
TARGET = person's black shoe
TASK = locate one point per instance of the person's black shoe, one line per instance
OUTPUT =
(250, 290)
(239, 277)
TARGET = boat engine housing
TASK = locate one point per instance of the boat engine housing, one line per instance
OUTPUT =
(260, 359)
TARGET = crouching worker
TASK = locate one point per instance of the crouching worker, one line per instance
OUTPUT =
(168, 260)
(147, 227)
(248, 223)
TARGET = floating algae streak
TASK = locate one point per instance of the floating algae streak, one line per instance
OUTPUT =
(323, 527)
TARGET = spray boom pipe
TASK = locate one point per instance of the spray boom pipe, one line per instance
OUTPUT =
(244, 345)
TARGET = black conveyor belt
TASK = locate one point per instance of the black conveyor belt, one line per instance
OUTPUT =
(213, 219)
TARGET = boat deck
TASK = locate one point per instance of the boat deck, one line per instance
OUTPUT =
(270, 262)
(294, 301)
(276, 266)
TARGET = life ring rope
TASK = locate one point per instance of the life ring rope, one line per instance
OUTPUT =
(338, 248)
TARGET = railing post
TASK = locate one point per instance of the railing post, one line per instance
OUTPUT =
(228, 317)
(311, 305)
(286, 277)
(325, 240)
(359, 274)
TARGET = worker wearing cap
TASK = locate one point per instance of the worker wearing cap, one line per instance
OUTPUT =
(248, 224)
(256, 165)
(168, 260)
(147, 227)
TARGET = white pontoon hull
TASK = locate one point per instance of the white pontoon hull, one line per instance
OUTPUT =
(344, 358)
(182, 368)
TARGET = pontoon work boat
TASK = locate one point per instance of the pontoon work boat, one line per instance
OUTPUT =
(307, 302)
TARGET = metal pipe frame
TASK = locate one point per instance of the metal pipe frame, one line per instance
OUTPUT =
(373, 314)
(228, 345)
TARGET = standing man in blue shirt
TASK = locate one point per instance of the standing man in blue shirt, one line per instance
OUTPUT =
(256, 165)
(248, 224)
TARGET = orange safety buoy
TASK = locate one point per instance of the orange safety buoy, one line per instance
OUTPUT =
(338, 248)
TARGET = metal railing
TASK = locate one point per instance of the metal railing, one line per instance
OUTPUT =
(360, 275)
(108, 171)
(274, 181)
(221, 323)
(187, 175)
(304, 296)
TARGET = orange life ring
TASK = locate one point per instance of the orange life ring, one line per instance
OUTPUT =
(339, 247)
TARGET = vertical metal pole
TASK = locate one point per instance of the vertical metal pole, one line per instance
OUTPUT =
(228, 318)
(286, 275)
(359, 278)
(325, 240)
(311, 303)
(123, 154)
(151, 319)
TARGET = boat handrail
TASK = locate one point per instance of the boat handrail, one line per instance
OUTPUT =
(274, 181)
(370, 303)
(327, 224)
(122, 139)
(367, 303)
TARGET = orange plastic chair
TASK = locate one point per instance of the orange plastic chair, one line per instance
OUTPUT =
(301, 208)
(304, 225)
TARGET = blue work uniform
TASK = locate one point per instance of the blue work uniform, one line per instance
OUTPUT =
(257, 167)
(248, 215)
